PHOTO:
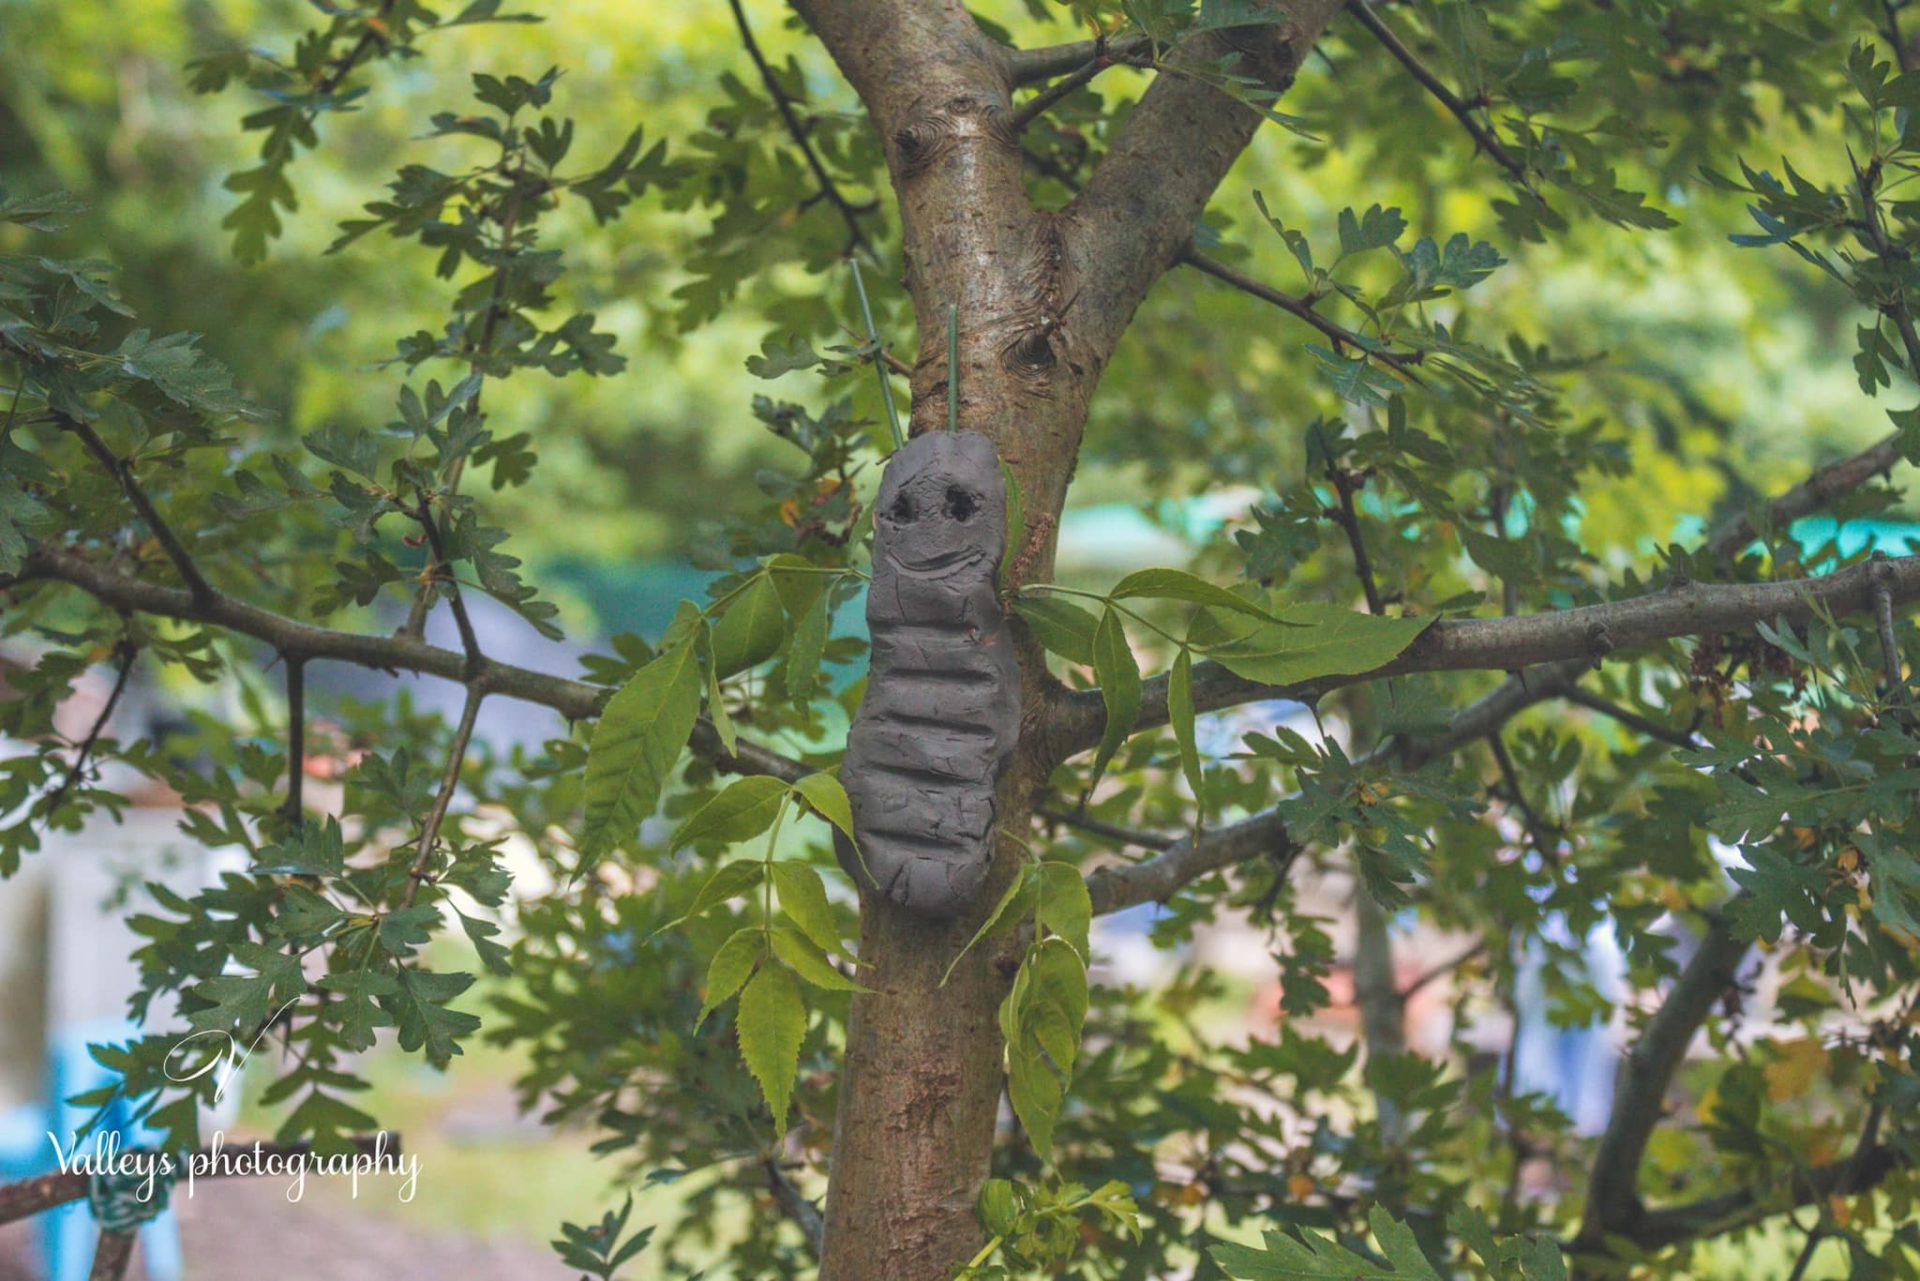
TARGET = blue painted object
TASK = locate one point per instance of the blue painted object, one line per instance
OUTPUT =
(70, 1232)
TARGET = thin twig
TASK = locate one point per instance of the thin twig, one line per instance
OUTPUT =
(1877, 238)
(1633, 720)
(469, 639)
(343, 68)
(122, 471)
(576, 700)
(794, 1204)
(127, 653)
(1440, 971)
(856, 239)
(1111, 831)
(1894, 38)
(1537, 830)
(1044, 101)
(1347, 516)
(1883, 619)
(1031, 66)
(449, 784)
(296, 739)
(1304, 310)
(1482, 136)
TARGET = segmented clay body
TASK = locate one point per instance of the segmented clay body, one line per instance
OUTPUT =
(941, 713)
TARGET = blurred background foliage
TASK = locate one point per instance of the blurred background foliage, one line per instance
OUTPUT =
(1722, 371)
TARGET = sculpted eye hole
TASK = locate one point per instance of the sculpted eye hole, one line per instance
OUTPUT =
(961, 505)
(902, 510)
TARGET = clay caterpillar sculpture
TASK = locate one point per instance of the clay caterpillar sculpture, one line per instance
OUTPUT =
(941, 714)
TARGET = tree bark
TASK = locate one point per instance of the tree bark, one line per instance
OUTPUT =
(1041, 298)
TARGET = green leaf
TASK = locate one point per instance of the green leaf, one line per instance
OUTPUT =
(1177, 584)
(745, 808)
(803, 655)
(425, 1021)
(730, 967)
(1375, 229)
(636, 743)
(716, 698)
(357, 1008)
(1063, 904)
(752, 628)
(803, 897)
(731, 881)
(1316, 640)
(827, 798)
(481, 933)
(1119, 677)
(772, 1023)
(1036, 1095)
(1062, 626)
(1180, 715)
(1016, 529)
(1023, 882)
(777, 358)
(809, 962)
(316, 849)
(304, 913)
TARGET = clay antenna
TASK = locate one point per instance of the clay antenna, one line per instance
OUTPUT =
(953, 367)
(879, 365)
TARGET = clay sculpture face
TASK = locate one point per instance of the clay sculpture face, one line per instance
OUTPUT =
(941, 713)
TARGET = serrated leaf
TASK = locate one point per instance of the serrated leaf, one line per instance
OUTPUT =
(730, 967)
(803, 654)
(742, 810)
(635, 745)
(730, 881)
(424, 1020)
(809, 962)
(803, 897)
(824, 794)
(772, 1023)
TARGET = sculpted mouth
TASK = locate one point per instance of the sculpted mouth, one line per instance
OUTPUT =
(945, 560)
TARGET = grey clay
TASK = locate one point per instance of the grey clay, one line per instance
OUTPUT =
(941, 714)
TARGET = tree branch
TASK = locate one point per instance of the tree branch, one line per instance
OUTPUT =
(469, 639)
(127, 653)
(122, 471)
(1613, 1198)
(575, 700)
(1158, 879)
(112, 1255)
(1504, 644)
(1138, 211)
(794, 1204)
(1111, 831)
(1866, 1168)
(1461, 111)
(1030, 66)
(1302, 309)
(417, 875)
(1818, 491)
(856, 238)
(1044, 101)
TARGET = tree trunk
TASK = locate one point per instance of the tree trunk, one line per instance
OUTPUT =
(1042, 298)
